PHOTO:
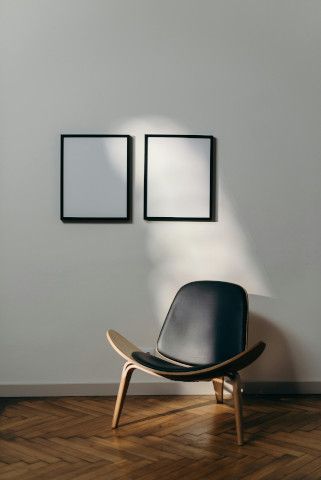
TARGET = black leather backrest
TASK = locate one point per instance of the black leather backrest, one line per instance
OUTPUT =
(206, 323)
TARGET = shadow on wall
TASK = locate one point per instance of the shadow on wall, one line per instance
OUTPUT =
(277, 361)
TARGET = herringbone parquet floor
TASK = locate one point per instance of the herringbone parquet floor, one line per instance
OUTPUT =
(170, 438)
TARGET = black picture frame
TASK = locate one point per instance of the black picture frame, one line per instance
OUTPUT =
(211, 181)
(96, 219)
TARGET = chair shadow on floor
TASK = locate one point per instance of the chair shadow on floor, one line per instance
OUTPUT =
(6, 401)
(169, 412)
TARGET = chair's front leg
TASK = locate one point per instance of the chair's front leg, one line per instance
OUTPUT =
(237, 397)
(127, 372)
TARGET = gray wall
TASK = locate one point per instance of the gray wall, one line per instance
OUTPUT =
(249, 73)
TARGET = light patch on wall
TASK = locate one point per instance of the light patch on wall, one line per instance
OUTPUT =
(115, 157)
(181, 252)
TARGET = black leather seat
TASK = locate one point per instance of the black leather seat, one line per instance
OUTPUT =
(161, 365)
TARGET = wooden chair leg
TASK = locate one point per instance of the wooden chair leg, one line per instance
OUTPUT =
(237, 397)
(218, 384)
(127, 372)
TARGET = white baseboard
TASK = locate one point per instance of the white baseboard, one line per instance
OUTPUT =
(283, 388)
(104, 389)
(152, 388)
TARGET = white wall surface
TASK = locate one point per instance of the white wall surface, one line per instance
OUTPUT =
(247, 72)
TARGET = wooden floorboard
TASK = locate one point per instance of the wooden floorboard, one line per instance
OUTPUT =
(160, 437)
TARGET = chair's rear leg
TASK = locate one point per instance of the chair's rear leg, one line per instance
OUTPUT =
(127, 372)
(218, 384)
(237, 397)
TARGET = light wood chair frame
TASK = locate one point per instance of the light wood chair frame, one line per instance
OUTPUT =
(214, 374)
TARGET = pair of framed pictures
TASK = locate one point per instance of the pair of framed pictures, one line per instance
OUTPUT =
(96, 178)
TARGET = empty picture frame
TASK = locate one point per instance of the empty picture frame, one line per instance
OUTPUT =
(95, 178)
(179, 177)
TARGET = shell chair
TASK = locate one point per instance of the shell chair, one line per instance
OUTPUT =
(203, 338)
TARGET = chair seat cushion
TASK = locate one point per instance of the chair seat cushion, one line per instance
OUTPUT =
(156, 363)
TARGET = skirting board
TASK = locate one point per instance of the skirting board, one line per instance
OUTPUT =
(153, 388)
